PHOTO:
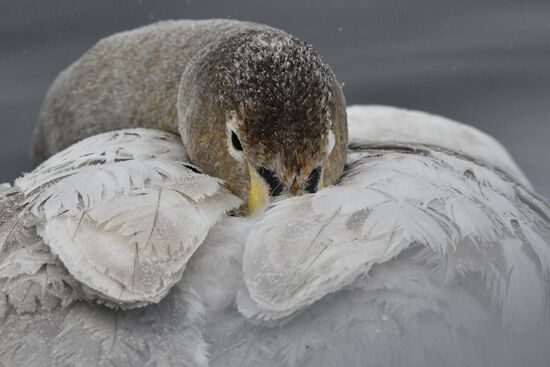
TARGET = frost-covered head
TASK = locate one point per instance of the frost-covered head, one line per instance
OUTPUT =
(267, 115)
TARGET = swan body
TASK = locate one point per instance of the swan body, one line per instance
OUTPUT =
(427, 253)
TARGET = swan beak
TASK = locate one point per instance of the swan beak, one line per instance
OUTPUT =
(258, 193)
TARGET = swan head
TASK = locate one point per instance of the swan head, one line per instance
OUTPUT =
(265, 113)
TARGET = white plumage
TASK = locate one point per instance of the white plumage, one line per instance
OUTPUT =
(379, 124)
(122, 213)
(423, 255)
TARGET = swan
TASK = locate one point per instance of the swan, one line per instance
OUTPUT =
(416, 253)
(430, 250)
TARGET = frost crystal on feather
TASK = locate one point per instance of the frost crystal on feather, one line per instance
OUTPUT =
(274, 76)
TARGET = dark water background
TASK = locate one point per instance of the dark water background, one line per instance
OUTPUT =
(486, 63)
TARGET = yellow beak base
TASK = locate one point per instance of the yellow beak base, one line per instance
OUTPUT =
(258, 194)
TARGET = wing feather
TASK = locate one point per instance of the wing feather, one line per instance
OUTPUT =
(466, 218)
(81, 334)
(107, 148)
(385, 124)
(121, 211)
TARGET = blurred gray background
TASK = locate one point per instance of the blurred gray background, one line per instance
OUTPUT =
(486, 63)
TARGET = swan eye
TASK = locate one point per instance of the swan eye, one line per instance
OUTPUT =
(275, 184)
(313, 180)
(236, 142)
(234, 145)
